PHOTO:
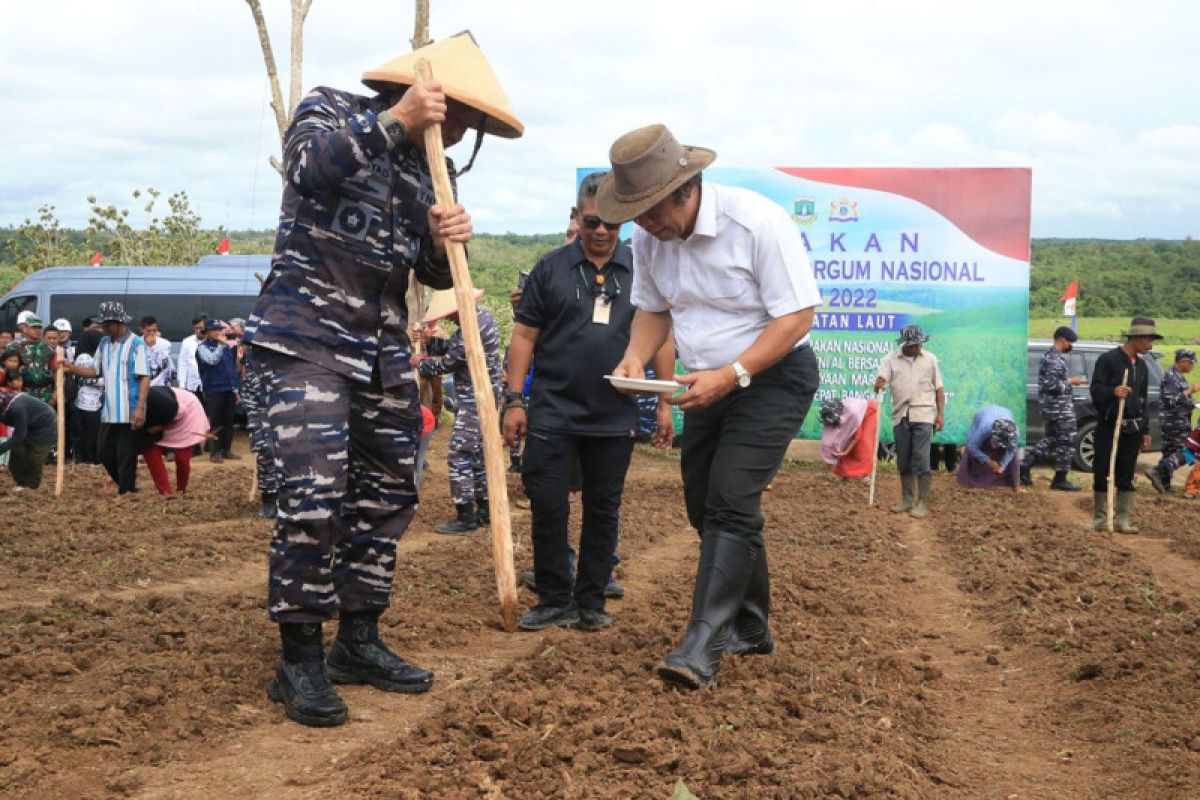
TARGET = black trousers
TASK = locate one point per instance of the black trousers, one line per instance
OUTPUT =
(88, 432)
(732, 449)
(603, 462)
(219, 407)
(1128, 447)
(118, 445)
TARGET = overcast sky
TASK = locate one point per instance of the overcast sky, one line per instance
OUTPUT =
(1101, 99)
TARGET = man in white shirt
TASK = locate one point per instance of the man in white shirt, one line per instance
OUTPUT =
(158, 354)
(727, 268)
(189, 371)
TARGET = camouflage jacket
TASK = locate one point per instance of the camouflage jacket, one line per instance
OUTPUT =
(452, 359)
(1055, 396)
(1173, 392)
(353, 224)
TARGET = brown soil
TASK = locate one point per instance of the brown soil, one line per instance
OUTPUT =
(994, 649)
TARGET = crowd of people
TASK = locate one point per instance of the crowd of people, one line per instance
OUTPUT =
(329, 369)
(124, 396)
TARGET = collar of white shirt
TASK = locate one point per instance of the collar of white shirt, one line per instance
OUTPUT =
(706, 215)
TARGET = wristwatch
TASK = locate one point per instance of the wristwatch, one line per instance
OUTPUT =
(393, 127)
(743, 376)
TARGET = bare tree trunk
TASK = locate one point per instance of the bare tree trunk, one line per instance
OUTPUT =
(421, 29)
(264, 41)
(299, 14)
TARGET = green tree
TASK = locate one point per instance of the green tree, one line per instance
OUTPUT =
(176, 238)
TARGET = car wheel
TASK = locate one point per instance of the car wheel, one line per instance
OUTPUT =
(1085, 447)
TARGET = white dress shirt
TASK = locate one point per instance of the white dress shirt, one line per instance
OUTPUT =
(743, 266)
(189, 371)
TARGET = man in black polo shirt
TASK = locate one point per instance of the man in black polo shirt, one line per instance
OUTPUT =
(573, 320)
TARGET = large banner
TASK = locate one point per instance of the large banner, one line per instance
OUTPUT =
(946, 249)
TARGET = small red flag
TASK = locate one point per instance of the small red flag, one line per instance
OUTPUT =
(96, 259)
(223, 247)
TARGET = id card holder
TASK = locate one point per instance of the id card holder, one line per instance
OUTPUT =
(601, 310)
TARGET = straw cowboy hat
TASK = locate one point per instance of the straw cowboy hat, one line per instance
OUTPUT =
(647, 165)
(443, 304)
(458, 64)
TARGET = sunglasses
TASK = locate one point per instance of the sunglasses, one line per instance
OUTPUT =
(591, 222)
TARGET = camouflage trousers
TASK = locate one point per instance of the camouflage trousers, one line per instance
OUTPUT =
(464, 458)
(346, 452)
(1059, 440)
(254, 400)
(1174, 432)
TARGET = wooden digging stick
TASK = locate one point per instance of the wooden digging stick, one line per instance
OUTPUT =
(1112, 457)
(489, 423)
(875, 452)
(61, 468)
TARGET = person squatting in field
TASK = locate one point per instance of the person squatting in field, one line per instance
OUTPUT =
(330, 332)
(849, 435)
(1175, 393)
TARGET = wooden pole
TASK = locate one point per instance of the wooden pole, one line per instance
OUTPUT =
(60, 401)
(875, 452)
(1112, 457)
(485, 401)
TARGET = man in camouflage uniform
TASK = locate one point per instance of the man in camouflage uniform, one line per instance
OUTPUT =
(330, 328)
(1176, 420)
(468, 475)
(37, 359)
(1057, 402)
(254, 400)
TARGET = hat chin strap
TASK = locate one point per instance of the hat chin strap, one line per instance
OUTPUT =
(458, 173)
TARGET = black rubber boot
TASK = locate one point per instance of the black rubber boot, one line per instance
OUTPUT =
(726, 561)
(1026, 476)
(268, 508)
(1061, 484)
(358, 656)
(463, 524)
(750, 633)
(301, 683)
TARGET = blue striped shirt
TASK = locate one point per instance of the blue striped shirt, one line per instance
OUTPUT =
(120, 364)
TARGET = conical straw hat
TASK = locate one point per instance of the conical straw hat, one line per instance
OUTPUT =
(459, 65)
(443, 304)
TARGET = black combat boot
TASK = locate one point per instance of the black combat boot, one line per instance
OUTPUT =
(1026, 476)
(750, 634)
(268, 508)
(1160, 478)
(300, 683)
(358, 656)
(483, 516)
(463, 524)
(726, 561)
(1061, 484)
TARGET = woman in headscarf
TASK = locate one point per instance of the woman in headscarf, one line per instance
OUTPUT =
(991, 451)
(851, 435)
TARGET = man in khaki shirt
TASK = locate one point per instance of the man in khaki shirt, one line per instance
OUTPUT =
(918, 401)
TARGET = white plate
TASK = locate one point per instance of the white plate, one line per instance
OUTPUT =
(643, 384)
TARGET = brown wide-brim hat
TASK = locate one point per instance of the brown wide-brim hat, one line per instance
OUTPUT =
(442, 304)
(459, 65)
(647, 165)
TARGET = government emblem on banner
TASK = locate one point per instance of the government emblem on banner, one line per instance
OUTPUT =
(805, 212)
(843, 210)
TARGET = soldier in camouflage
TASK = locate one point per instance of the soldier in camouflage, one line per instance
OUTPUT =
(1057, 402)
(468, 476)
(1176, 420)
(254, 399)
(329, 332)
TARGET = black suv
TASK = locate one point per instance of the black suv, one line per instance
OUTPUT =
(1080, 361)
